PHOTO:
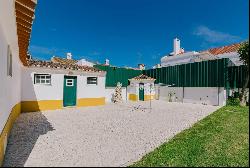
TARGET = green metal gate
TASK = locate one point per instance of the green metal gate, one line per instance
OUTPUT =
(69, 91)
(141, 92)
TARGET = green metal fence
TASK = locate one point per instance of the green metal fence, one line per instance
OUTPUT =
(237, 76)
(116, 74)
(198, 74)
(213, 73)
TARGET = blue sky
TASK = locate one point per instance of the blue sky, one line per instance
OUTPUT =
(128, 32)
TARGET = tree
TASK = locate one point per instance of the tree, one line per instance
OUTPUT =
(244, 57)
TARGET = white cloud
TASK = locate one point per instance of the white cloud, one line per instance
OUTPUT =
(213, 36)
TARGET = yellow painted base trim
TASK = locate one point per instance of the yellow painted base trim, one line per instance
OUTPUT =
(133, 97)
(43, 105)
(15, 112)
(83, 102)
(148, 97)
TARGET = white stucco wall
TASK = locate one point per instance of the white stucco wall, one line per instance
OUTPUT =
(200, 95)
(84, 62)
(90, 91)
(134, 87)
(10, 90)
(164, 93)
(33, 92)
(148, 90)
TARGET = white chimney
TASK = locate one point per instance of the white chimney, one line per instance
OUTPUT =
(106, 62)
(141, 66)
(177, 46)
(182, 50)
(69, 56)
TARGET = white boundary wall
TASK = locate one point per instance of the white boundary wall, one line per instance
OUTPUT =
(208, 96)
(198, 95)
(10, 87)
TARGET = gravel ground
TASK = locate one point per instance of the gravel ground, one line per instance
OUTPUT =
(110, 135)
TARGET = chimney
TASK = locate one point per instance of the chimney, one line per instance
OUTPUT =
(106, 62)
(182, 50)
(158, 65)
(69, 56)
(141, 66)
(177, 46)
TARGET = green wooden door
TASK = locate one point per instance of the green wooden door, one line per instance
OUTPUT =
(141, 92)
(69, 91)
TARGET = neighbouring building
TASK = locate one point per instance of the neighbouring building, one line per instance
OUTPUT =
(179, 56)
(205, 77)
(141, 88)
(141, 66)
(157, 66)
(69, 60)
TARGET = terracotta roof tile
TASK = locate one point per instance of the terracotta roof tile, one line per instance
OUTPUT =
(52, 65)
(142, 77)
(224, 49)
(63, 60)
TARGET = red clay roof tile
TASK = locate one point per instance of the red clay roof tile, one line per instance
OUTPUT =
(50, 64)
(142, 77)
(224, 49)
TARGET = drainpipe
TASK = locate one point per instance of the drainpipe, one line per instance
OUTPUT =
(126, 94)
(218, 96)
(183, 95)
(226, 77)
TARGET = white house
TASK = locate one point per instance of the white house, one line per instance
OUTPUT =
(179, 56)
(69, 60)
(203, 95)
(84, 62)
(29, 85)
(48, 86)
(16, 19)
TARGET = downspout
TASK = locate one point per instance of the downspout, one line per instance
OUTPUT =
(226, 78)
(126, 94)
(218, 83)
(183, 95)
(218, 95)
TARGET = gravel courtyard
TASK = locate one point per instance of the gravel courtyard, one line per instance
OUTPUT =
(110, 135)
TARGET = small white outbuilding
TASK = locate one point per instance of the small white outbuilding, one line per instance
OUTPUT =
(48, 85)
(141, 88)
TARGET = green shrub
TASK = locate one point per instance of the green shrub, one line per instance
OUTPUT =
(231, 101)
